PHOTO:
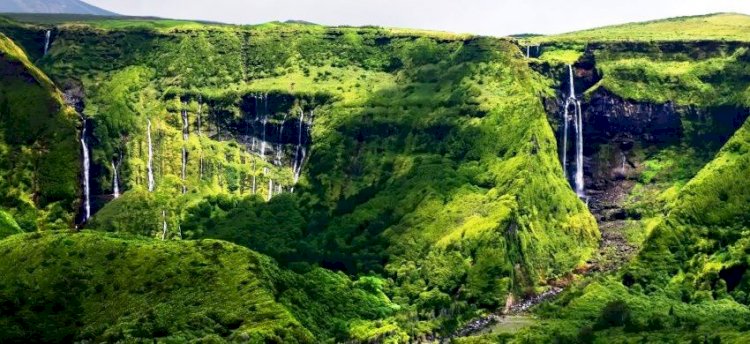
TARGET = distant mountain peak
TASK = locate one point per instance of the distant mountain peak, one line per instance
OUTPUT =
(51, 6)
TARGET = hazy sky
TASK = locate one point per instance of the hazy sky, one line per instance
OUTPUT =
(489, 17)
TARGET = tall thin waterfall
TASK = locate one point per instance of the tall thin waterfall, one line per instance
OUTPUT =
(185, 137)
(299, 156)
(577, 118)
(86, 170)
(270, 189)
(47, 37)
(150, 165)
(579, 151)
(528, 51)
(280, 146)
(164, 225)
(263, 140)
(566, 120)
(115, 181)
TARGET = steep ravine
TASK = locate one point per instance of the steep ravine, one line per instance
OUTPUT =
(619, 136)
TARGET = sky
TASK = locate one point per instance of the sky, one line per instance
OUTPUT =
(485, 17)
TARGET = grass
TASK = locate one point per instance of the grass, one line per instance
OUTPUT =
(38, 146)
(721, 26)
(152, 290)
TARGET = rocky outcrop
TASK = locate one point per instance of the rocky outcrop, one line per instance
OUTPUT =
(610, 118)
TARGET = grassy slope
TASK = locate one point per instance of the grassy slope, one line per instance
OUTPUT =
(90, 286)
(433, 162)
(38, 145)
(676, 290)
(722, 26)
(60, 287)
(688, 281)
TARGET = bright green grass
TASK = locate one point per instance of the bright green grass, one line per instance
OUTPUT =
(38, 145)
(723, 26)
(92, 286)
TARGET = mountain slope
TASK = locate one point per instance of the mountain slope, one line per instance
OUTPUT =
(423, 157)
(38, 145)
(51, 7)
(720, 26)
(164, 290)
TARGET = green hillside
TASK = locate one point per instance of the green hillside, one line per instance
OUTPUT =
(397, 185)
(720, 26)
(38, 146)
(385, 156)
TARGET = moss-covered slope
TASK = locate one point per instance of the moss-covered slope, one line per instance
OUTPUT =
(88, 286)
(429, 157)
(38, 145)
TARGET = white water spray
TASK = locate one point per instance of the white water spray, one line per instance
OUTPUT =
(164, 225)
(280, 145)
(577, 118)
(579, 152)
(263, 139)
(115, 181)
(47, 37)
(150, 165)
(299, 156)
(86, 169)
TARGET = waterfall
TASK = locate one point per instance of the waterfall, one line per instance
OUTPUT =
(579, 151)
(528, 51)
(47, 37)
(115, 181)
(150, 165)
(270, 189)
(86, 169)
(566, 119)
(577, 118)
(164, 225)
(299, 156)
(572, 83)
(263, 140)
(280, 146)
(185, 137)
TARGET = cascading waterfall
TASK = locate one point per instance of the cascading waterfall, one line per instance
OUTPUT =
(47, 37)
(299, 156)
(579, 152)
(86, 170)
(115, 181)
(270, 189)
(264, 121)
(280, 145)
(164, 225)
(150, 165)
(573, 102)
(185, 137)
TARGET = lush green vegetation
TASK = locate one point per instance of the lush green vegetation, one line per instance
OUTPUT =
(38, 146)
(432, 190)
(92, 286)
(712, 27)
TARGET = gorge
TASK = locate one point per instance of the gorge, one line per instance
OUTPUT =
(296, 183)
